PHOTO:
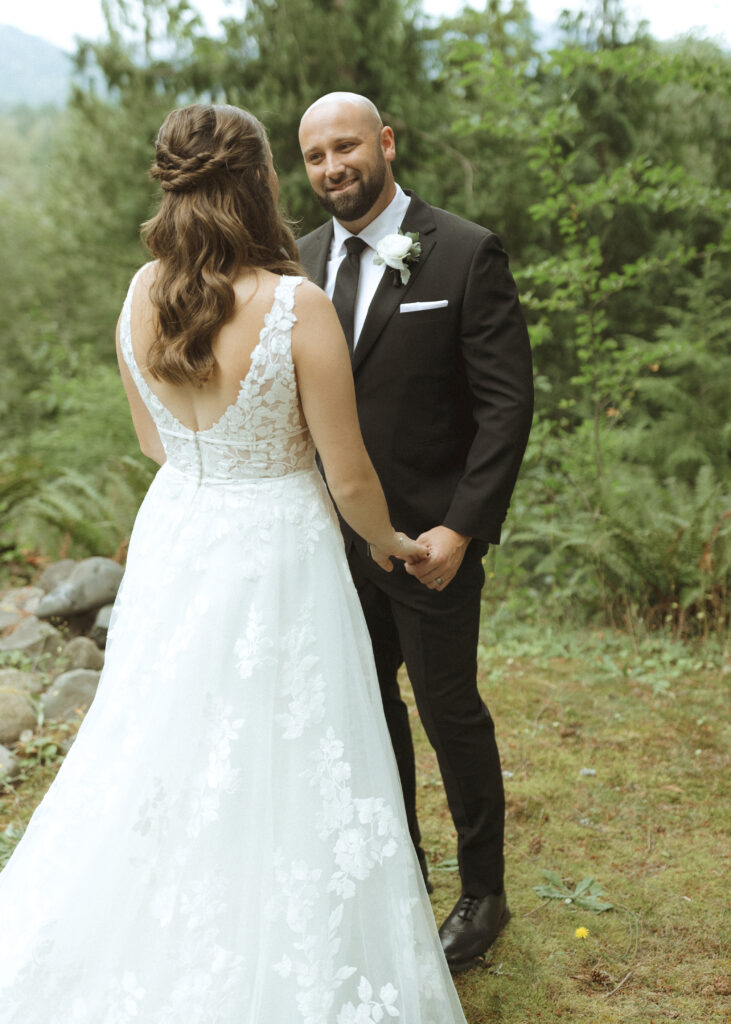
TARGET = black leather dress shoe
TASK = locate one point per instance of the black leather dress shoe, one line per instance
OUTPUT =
(472, 927)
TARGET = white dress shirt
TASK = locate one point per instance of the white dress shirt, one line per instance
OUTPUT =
(386, 223)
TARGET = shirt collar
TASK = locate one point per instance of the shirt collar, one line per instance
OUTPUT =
(387, 222)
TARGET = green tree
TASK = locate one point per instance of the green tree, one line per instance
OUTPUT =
(282, 56)
(625, 287)
(487, 70)
(604, 166)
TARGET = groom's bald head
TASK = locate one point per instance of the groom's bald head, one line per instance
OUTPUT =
(365, 110)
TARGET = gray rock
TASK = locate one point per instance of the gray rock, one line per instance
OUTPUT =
(81, 652)
(22, 599)
(70, 694)
(9, 616)
(93, 583)
(16, 714)
(15, 603)
(8, 765)
(98, 632)
(55, 574)
(30, 598)
(33, 638)
(28, 682)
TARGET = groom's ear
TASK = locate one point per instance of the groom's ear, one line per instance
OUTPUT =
(388, 143)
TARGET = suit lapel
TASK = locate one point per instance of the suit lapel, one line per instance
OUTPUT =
(388, 297)
(314, 258)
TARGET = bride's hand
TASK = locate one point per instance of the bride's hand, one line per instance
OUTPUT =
(403, 548)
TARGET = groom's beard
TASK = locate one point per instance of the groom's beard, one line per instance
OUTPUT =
(357, 201)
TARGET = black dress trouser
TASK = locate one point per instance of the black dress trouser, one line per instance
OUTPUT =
(435, 633)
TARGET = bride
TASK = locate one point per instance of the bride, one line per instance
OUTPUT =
(225, 842)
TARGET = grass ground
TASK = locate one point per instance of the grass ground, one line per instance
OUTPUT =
(614, 752)
(645, 717)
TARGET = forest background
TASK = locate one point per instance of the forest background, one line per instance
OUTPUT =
(604, 166)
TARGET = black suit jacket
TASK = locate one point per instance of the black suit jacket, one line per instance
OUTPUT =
(445, 396)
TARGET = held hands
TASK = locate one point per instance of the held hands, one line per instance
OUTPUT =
(446, 550)
(409, 551)
(433, 558)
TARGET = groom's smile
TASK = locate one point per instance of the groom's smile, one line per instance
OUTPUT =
(341, 186)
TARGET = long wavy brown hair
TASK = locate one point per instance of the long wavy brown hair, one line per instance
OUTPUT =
(218, 216)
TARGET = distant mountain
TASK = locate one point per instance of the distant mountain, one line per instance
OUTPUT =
(33, 72)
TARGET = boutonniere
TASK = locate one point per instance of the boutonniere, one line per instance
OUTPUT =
(399, 252)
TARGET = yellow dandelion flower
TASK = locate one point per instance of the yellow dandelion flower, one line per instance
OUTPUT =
(581, 933)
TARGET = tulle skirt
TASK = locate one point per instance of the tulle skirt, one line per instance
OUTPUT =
(225, 842)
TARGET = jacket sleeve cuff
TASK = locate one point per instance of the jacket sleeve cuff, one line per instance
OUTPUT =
(482, 532)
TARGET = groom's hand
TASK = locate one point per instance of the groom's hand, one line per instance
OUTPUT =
(446, 551)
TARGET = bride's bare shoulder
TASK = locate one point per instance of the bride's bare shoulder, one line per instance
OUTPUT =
(317, 331)
(146, 275)
(142, 283)
(311, 300)
(141, 301)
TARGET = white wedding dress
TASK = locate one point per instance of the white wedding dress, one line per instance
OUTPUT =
(225, 842)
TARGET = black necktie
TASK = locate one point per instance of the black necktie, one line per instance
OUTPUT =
(346, 286)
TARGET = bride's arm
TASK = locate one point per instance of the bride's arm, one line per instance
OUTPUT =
(147, 435)
(325, 382)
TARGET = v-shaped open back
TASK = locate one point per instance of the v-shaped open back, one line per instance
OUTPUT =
(263, 432)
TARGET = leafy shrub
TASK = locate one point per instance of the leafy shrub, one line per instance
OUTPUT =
(79, 514)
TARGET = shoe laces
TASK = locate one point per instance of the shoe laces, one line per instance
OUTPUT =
(468, 907)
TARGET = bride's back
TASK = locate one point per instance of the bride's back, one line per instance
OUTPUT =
(190, 339)
(198, 407)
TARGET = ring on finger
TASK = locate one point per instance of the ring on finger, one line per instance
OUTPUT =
(439, 581)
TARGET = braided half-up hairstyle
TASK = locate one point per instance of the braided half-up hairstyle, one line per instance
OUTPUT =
(218, 216)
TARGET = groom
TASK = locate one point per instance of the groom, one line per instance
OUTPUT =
(442, 370)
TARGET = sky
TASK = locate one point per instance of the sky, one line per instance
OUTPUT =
(60, 20)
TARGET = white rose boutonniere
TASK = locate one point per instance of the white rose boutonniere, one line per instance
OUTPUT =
(398, 252)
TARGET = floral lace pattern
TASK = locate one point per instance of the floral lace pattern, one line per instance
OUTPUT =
(225, 843)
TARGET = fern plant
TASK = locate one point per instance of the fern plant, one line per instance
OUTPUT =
(634, 543)
(80, 514)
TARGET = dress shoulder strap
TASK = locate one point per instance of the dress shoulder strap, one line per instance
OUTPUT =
(276, 335)
(284, 296)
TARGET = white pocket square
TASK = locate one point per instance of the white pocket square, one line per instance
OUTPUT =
(415, 307)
